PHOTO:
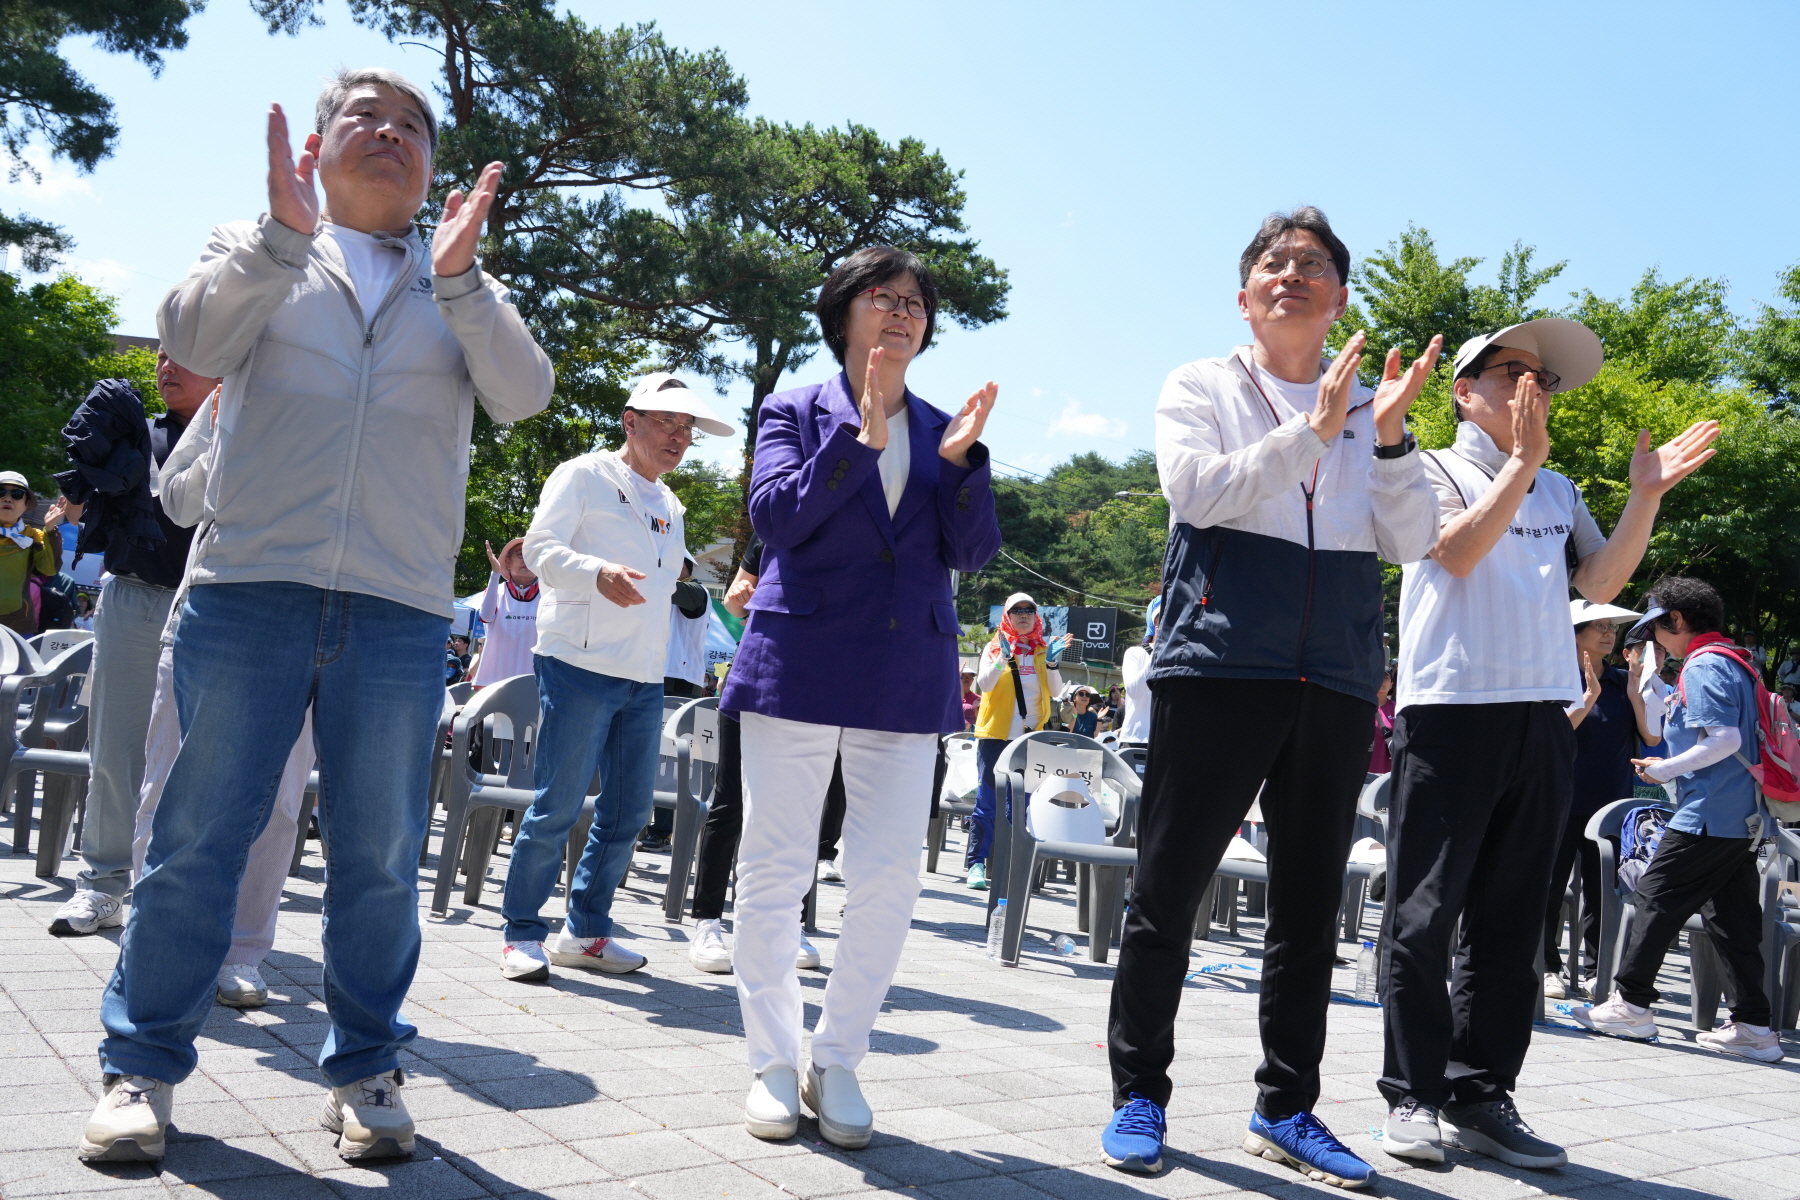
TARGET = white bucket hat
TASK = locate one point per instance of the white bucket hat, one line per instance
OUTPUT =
(660, 391)
(1581, 612)
(1568, 348)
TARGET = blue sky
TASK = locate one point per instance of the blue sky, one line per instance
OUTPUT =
(1116, 157)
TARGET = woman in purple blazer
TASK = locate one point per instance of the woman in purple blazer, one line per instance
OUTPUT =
(866, 499)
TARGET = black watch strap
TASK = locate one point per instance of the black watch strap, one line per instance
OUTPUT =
(1407, 445)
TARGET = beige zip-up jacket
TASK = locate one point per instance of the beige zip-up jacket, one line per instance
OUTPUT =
(343, 436)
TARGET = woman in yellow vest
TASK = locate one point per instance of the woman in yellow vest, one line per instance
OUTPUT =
(1014, 698)
(24, 550)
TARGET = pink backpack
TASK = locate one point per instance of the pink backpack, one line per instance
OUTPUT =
(1777, 774)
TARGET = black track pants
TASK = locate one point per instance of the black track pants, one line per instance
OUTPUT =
(1717, 878)
(1480, 797)
(1213, 743)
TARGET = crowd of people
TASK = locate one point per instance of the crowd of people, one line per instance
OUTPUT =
(280, 591)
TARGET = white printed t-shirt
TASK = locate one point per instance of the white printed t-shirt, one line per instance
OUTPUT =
(651, 503)
(1500, 634)
(511, 633)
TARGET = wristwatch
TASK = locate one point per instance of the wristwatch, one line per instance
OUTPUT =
(1407, 445)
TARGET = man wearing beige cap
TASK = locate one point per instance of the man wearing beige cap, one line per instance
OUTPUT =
(1488, 658)
(605, 524)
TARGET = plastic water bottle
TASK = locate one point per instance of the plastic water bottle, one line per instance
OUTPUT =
(1367, 976)
(1062, 944)
(997, 930)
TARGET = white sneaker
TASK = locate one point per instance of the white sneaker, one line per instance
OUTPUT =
(370, 1118)
(1553, 987)
(1732, 1038)
(241, 986)
(1412, 1132)
(87, 912)
(130, 1123)
(828, 871)
(772, 1109)
(525, 962)
(1618, 1017)
(844, 1116)
(708, 950)
(592, 954)
(807, 958)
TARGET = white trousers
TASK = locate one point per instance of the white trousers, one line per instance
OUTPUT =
(887, 790)
(266, 867)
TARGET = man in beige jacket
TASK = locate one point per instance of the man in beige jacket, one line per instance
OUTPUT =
(352, 360)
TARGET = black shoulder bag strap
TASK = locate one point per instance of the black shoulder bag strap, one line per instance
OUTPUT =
(1012, 664)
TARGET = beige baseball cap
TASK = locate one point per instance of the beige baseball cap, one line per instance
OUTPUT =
(1568, 348)
(661, 391)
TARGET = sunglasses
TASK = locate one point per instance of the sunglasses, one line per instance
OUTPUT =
(14, 493)
(1023, 609)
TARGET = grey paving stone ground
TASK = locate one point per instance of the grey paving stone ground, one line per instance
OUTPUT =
(988, 1083)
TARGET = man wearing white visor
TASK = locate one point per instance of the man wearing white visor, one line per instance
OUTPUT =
(608, 541)
(1488, 658)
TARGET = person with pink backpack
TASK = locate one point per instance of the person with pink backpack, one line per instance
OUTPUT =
(1722, 755)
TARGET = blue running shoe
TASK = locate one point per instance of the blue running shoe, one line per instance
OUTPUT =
(1304, 1142)
(1133, 1139)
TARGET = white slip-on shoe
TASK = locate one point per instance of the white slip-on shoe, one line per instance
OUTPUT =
(1732, 1038)
(1553, 987)
(370, 1118)
(87, 912)
(592, 954)
(772, 1109)
(835, 1096)
(241, 985)
(708, 950)
(807, 957)
(525, 962)
(131, 1122)
(1412, 1132)
(1616, 1016)
(828, 871)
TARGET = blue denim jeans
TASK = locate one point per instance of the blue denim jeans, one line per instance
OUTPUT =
(249, 659)
(981, 822)
(589, 721)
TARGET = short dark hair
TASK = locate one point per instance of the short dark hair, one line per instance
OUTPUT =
(867, 268)
(1696, 601)
(1276, 224)
(1472, 368)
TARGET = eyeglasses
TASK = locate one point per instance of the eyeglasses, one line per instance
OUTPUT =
(1309, 263)
(14, 493)
(1548, 381)
(1025, 610)
(888, 300)
(678, 428)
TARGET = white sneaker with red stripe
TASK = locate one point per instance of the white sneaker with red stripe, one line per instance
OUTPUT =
(525, 962)
(592, 954)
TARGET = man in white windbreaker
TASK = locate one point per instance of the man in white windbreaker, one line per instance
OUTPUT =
(352, 358)
(608, 542)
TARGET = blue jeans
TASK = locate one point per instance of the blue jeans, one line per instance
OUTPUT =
(589, 721)
(981, 836)
(249, 659)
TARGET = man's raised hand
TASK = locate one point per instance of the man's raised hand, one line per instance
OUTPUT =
(1333, 404)
(1654, 472)
(874, 433)
(458, 234)
(966, 426)
(1395, 394)
(293, 200)
(1530, 406)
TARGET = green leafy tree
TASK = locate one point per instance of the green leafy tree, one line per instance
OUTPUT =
(44, 99)
(1766, 353)
(1670, 331)
(55, 344)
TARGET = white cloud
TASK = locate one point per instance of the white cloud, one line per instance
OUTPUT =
(1079, 424)
(59, 179)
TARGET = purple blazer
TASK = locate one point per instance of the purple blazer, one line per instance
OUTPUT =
(853, 622)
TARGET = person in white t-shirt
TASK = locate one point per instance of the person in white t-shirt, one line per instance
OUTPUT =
(1136, 671)
(1487, 659)
(509, 610)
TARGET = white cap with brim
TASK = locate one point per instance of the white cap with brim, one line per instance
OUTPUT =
(660, 391)
(1581, 612)
(1568, 348)
(16, 479)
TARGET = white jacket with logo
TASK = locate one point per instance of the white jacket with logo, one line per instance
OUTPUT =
(586, 519)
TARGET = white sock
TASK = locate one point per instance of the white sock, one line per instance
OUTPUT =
(1758, 1030)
